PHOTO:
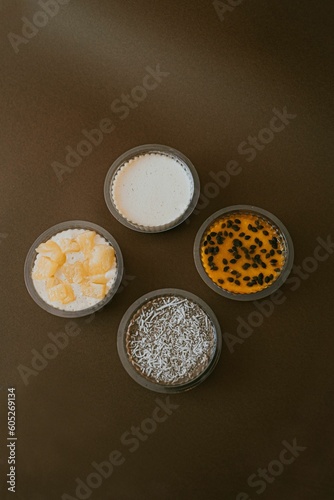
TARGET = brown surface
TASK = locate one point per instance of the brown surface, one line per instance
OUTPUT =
(225, 78)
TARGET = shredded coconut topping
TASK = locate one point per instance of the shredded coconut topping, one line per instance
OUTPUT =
(170, 340)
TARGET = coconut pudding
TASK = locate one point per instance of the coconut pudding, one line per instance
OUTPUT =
(170, 340)
(152, 190)
(74, 269)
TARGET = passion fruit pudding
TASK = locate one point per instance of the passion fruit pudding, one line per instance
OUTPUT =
(243, 252)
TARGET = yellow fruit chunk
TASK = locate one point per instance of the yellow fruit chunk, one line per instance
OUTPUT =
(52, 250)
(86, 241)
(98, 278)
(44, 268)
(74, 273)
(61, 293)
(85, 266)
(101, 259)
(69, 245)
(94, 290)
(50, 282)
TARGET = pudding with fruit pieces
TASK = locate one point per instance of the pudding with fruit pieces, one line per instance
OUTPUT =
(74, 269)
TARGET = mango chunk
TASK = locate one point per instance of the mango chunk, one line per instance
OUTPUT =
(101, 259)
(50, 282)
(44, 268)
(74, 273)
(86, 241)
(94, 290)
(53, 251)
(69, 245)
(61, 293)
(85, 266)
(98, 278)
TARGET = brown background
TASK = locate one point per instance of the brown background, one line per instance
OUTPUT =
(225, 79)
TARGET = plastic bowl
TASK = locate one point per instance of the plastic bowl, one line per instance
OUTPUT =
(124, 355)
(138, 151)
(274, 222)
(32, 254)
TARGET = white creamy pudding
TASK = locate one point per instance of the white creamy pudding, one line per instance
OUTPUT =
(74, 269)
(152, 189)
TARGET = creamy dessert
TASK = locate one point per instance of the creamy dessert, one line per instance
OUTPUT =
(74, 269)
(170, 340)
(243, 253)
(152, 190)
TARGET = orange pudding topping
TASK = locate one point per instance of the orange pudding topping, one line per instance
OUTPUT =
(242, 253)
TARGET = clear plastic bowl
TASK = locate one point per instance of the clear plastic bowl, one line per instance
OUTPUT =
(141, 150)
(122, 350)
(275, 222)
(32, 254)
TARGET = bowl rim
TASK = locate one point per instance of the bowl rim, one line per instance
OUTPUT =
(136, 151)
(257, 211)
(52, 231)
(121, 337)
